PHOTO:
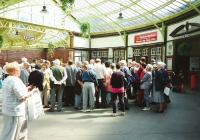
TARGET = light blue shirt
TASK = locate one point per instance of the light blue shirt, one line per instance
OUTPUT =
(13, 91)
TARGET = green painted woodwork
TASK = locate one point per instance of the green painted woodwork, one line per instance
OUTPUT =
(6, 3)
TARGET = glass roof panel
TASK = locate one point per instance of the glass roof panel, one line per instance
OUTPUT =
(148, 6)
(108, 6)
(30, 11)
(80, 4)
(101, 14)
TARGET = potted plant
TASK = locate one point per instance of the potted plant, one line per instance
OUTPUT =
(51, 48)
(85, 29)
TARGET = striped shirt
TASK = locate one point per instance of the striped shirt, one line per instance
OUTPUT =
(13, 91)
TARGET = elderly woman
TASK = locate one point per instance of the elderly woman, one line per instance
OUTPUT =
(15, 94)
(145, 84)
(158, 95)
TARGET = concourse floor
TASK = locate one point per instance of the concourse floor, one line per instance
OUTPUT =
(181, 121)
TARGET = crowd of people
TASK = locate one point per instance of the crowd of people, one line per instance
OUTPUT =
(84, 85)
(97, 84)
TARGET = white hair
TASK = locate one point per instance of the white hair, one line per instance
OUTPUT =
(56, 62)
(161, 64)
(123, 62)
(149, 67)
(24, 59)
(78, 64)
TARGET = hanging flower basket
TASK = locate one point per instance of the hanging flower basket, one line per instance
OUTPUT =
(67, 4)
(85, 29)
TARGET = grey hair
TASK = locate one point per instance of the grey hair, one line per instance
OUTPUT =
(161, 64)
(149, 67)
(56, 62)
(79, 64)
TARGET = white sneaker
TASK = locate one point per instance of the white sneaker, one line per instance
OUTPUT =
(146, 108)
(113, 115)
(122, 114)
(84, 110)
(91, 110)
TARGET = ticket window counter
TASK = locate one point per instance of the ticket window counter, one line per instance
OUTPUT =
(81, 56)
(156, 53)
(119, 55)
(138, 53)
(101, 54)
(149, 53)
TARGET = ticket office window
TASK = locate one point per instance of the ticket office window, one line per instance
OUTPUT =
(81, 56)
(118, 55)
(138, 53)
(101, 54)
(156, 53)
(149, 53)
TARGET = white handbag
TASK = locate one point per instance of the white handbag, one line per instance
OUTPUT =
(35, 107)
(167, 91)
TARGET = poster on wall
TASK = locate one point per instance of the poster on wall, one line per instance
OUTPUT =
(169, 63)
(169, 49)
(194, 63)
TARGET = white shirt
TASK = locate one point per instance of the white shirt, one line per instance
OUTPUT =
(100, 71)
(4, 69)
(109, 71)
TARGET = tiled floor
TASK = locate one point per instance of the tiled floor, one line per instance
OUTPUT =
(181, 121)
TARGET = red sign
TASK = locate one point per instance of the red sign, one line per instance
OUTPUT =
(147, 37)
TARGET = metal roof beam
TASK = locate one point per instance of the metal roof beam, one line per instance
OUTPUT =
(108, 13)
(134, 18)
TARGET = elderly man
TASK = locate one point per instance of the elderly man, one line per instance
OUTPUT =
(100, 71)
(24, 74)
(58, 76)
(70, 83)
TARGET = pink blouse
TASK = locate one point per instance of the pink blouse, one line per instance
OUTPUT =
(118, 90)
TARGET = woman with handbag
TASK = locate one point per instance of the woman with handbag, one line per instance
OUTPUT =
(15, 94)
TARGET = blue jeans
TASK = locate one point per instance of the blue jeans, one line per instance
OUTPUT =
(88, 93)
(78, 101)
(146, 97)
(108, 98)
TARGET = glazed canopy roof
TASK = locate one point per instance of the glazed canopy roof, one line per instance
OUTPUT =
(102, 15)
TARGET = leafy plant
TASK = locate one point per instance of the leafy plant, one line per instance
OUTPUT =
(67, 4)
(1, 41)
(85, 29)
(51, 48)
